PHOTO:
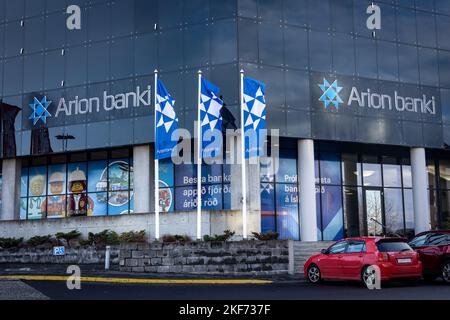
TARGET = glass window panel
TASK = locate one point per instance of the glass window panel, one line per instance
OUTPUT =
(123, 11)
(426, 29)
(445, 210)
(55, 36)
(195, 11)
(196, 45)
(24, 182)
(185, 198)
(270, 10)
(222, 9)
(434, 211)
(54, 75)
(185, 175)
(38, 181)
(118, 203)
(271, 44)
(371, 172)
(170, 13)
(443, 6)
(23, 208)
(14, 37)
(388, 23)
(409, 214)
(166, 172)
(145, 52)
(444, 68)
(343, 54)
(297, 90)
(14, 9)
(287, 169)
(145, 15)
(36, 208)
(33, 71)
(76, 66)
(408, 64)
(431, 168)
(406, 18)
(97, 176)
(330, 168)
(56, 206)
(407, 176)
(12, 75)
(34, 34)
(296, 47)
(443, 25)
(444, 173)
(98, 62)
(248, 8)
(428, 64)
(121, 58)
(392, 174)
(248, 40)
(170, 54)
(319, 14)
(295, 13)
(57, 179)
(119, 175)
(99, 22)
(342, 15)
(366, 57)
(387, 61)
(99, 203)
(351, 170)
(76, 177)
(352, 211)
(287, 211)
(425, 5)
(332, 218)
(320, 51)
(223, 36)
(393, 209)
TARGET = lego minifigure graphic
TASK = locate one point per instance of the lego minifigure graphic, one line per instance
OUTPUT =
(36, 206)
(79, 204)
(55, 203)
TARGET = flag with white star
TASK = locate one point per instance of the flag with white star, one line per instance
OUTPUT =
(166, 123)
(254, 116)
(210, 117)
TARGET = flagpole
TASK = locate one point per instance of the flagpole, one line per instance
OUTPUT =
(157, 236)
(199, 161)
(244, 176)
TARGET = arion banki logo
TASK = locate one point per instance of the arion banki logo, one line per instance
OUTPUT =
(330, 94)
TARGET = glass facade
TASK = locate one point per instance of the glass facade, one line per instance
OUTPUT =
(87, 184)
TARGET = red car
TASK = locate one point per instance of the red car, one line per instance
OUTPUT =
(434, 252)
(350, 258)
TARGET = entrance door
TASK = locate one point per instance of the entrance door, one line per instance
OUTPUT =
(374, 211)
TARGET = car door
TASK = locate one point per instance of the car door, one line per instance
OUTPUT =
(352, 259)
(330, 263)
(431, 252)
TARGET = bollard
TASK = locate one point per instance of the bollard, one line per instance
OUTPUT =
(107, 256)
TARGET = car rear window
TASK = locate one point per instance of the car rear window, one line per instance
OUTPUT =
(393, 246)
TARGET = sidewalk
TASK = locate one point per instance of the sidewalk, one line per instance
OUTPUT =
(97, 272)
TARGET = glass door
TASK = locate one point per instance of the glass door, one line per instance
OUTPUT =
(374, 211)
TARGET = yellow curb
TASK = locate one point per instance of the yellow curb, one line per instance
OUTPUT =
(137, 281)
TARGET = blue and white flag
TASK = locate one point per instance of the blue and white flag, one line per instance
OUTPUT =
(254, 116)
(210, 117)
(166, 123)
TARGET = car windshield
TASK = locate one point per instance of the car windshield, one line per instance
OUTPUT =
(393, 246)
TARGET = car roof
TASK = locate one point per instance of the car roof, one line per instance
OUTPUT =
(374, 239)
(433, 231)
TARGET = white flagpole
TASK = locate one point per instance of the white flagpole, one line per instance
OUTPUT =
(199, 161)
(244, 176)
(157, 236)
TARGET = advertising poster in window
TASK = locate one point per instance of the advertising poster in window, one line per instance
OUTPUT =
(78, 202)
(119, 176)
(166, 181)
(267, 207)
(287, 211)
(56, 199)
(98, 187)
(332, 227)
(37, 191)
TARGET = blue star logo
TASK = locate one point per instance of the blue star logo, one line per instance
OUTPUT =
(330, 94)
(40, 111)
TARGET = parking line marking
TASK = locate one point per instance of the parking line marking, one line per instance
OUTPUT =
(138, 281)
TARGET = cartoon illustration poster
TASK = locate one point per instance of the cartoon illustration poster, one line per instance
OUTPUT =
(37, 192)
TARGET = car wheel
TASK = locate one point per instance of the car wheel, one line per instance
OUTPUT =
(314, 275)
(368, 277)
(446, 272)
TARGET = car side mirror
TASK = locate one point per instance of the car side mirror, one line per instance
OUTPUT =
(324, 251)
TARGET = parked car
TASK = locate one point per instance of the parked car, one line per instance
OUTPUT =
(349, 259)
(433, 248)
